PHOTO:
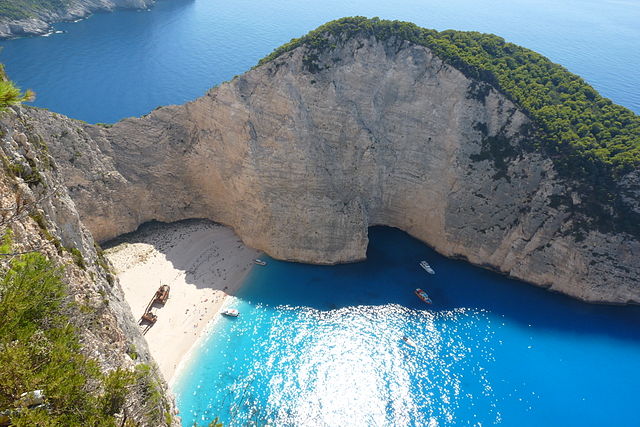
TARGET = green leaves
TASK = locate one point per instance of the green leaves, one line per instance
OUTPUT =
(116, 389)
(565, 108)
(21, 9)
(40, 350)
(10, 94)
(31, 293)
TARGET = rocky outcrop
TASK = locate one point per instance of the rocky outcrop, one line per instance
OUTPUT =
(301, 160)
(38, 21)
(35, 206)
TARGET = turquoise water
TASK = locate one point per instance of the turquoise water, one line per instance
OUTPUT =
(127, 63)
(322, 346)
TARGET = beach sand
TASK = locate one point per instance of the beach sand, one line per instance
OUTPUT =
(201, 261)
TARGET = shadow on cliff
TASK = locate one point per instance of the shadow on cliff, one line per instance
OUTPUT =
(391, 274)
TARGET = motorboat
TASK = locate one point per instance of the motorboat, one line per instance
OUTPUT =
(427, 267)
(231, 312)
(258, 261)
(423, 296)
(408, 341)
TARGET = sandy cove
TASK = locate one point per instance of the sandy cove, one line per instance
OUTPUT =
(201, 261)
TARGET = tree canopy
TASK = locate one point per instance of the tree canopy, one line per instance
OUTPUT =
(21, 9)
(586, 133)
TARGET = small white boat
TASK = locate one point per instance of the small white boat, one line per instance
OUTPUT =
(427, 267)
(259, 261)
(231, 312)
(409, 341)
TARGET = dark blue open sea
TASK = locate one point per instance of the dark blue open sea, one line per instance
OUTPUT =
(127, 63)
(322, 345)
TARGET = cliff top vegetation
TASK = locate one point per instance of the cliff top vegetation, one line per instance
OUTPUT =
(585, 133)
(23, 9)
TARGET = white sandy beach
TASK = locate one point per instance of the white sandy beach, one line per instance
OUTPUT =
(201, 261)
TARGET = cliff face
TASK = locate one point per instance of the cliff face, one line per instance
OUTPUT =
(301, 155)
(37, 21)
(35, 206)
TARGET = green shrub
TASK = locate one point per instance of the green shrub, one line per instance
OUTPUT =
(21, 9)
(40, 350)
(10, 94)
(572, 118)
(77, 257)
(592, 141)
(151, 392)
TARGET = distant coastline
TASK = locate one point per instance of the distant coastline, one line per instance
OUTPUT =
(24, 18)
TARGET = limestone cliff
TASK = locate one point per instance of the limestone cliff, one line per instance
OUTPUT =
(35, 206)
(25, 18)
(300, 160)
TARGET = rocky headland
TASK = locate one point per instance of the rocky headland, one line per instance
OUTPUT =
(19, 18)
(303, 153)
(482, 149)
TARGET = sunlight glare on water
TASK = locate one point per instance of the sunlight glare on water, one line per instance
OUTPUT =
(322, 346)
(342, 364)
(325, 367)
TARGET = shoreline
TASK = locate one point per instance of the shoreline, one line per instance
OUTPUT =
(43, 25)
(189, 356)
(203, 263)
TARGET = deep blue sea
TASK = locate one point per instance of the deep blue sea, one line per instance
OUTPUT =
(127, 63)
(322, 345)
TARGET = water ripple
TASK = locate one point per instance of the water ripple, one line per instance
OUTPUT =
(488, 351)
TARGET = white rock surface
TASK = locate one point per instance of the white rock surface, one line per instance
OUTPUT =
(300, 164)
